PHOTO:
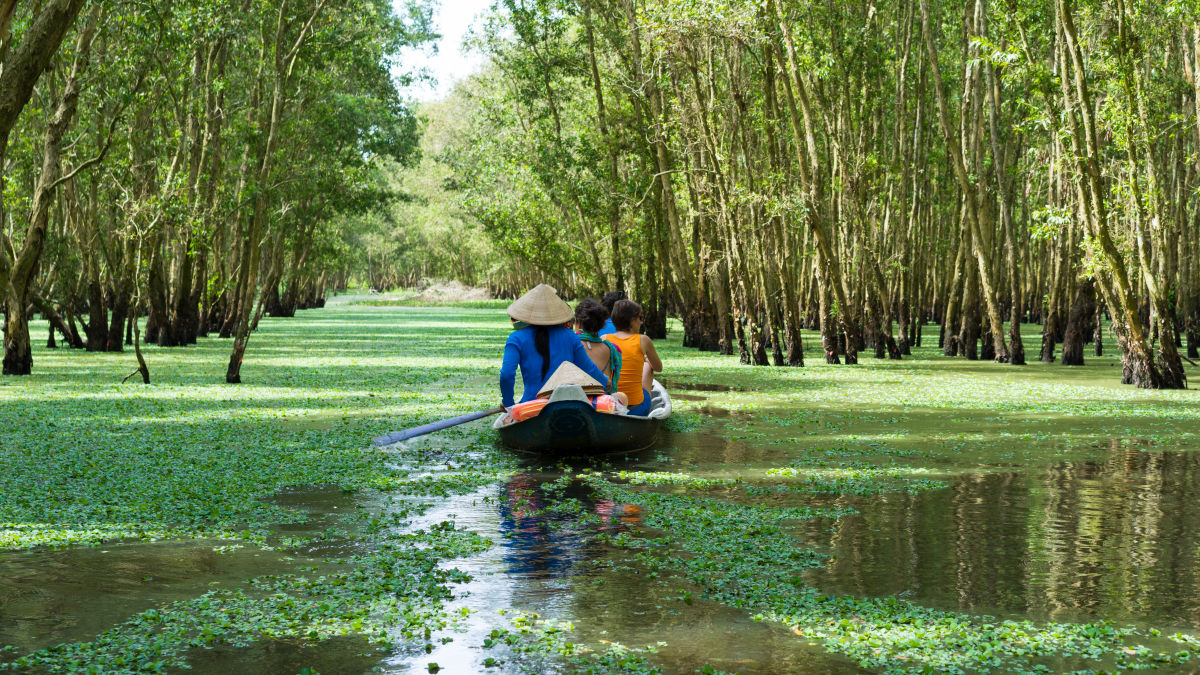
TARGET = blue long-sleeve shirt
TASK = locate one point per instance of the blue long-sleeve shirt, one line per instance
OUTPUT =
(521, 351)
(608, 329)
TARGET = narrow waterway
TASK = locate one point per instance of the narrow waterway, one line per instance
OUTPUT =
(1112, 538)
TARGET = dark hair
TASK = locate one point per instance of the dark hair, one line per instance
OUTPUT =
(610, 298)
(541, 341)
(590, 315)
(624, 312)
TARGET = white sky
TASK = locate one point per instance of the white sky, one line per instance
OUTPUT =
(453, 19)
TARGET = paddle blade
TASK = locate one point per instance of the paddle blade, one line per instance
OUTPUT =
(405, 434)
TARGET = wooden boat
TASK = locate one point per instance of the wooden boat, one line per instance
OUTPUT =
(569, 425)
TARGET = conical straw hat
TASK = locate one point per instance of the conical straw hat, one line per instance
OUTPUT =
(541, 307)
(569, 373)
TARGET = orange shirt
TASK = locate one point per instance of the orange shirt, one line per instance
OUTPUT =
(632, 361)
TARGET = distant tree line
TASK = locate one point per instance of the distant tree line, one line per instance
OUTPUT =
(859, 168)
(196, 162)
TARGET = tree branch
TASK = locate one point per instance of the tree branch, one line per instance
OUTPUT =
(112, 125)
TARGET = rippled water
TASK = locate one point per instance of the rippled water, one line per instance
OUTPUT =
(547, 562)
(1113, 539)
(550, 566)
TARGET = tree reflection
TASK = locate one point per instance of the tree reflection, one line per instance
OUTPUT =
(1110, 539)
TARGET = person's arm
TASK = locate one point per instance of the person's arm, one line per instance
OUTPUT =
(508, 373)
(579, 357)
(651, 354)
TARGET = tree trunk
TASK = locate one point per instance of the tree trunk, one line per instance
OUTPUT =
(968, 337)
(184, 311)
(56, 322)
(828, 327)
(1079, 324)
(122, 296)
(806, 148)
(97, 325)
(251, 245)
(949, 338)
(18, 357)
(1138, 363)
(970, 194)
(23, 66)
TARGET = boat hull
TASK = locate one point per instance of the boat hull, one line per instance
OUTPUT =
(569, 425)
(575, 428)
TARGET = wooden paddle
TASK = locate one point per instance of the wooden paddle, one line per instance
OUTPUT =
(405, 434)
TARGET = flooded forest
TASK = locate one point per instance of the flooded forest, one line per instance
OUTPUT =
(924, 276)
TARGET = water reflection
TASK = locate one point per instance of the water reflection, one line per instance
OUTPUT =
(350, 655)
(547, 560)
(539, 538)
(53, 596)
(1113, 539)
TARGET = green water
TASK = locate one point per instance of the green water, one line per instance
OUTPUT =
(48, 597)
(1040, 493)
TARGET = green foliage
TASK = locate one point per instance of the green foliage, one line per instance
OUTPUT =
(91, 461)
(429, 233)
(204, 124)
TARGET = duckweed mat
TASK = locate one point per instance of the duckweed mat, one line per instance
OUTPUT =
(931, 514)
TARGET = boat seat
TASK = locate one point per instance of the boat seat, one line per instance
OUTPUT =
(660, 403)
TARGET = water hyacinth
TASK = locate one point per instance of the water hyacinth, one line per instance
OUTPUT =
(731, 512)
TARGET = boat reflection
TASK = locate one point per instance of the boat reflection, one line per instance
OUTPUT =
(546, 535)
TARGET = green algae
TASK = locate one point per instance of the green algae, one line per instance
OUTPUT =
(745, 475)
(88, 461)
(530, 638)
(748, 558)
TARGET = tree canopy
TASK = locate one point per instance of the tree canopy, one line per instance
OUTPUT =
(756, 168)
(199, 161)
(752, 168)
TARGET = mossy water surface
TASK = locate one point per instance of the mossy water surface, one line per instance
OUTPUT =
(827, 518)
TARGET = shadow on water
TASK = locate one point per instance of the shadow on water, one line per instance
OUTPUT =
(51, 596)
(1112, 539)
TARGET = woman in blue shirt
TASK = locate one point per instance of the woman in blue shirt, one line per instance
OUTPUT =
(540, 344)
